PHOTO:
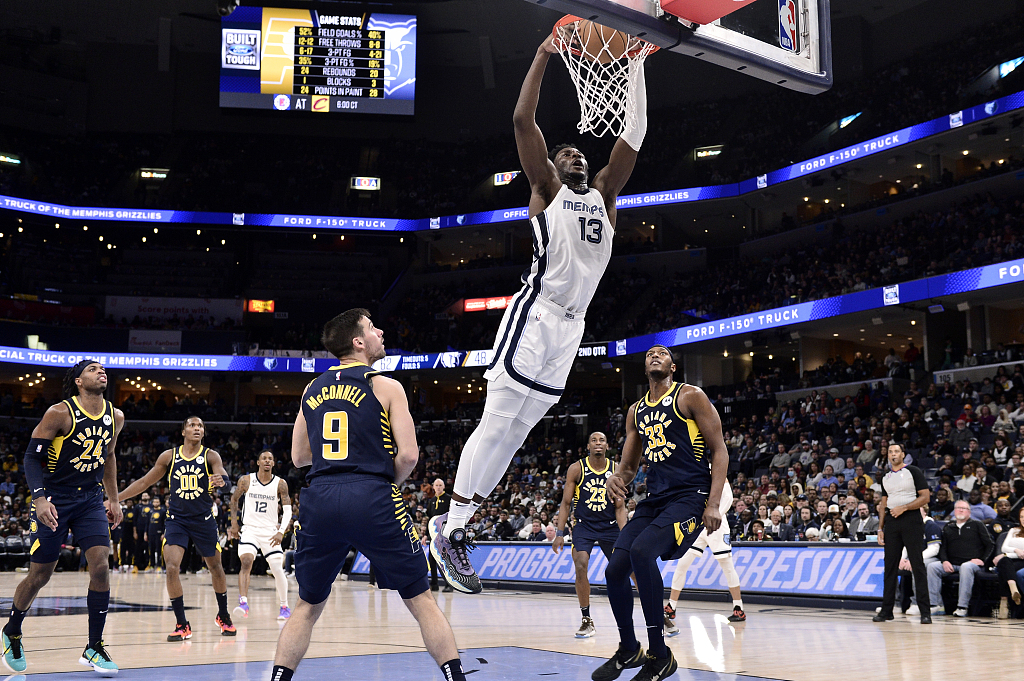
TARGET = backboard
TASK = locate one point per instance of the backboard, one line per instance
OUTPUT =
(786, 42)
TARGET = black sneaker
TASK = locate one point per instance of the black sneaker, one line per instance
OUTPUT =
(737, 614)
(883, 617)
(657, 668)
(622, 659)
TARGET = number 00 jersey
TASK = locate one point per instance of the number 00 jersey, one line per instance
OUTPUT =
(673, 447)
(593, 507)
(76, 459)
(189, 480)
(348, 429)
(260, 509)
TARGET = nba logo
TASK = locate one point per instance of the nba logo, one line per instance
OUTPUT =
(787, 25)
(620, 347)
(308, 364)
(282, 102)
(891, 295)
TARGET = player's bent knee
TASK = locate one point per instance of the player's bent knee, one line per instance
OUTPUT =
(619, 566)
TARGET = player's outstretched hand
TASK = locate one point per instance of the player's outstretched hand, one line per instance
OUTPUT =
(114, 513)
(217, 480)
(548, 45)
(556, 545)
(277, 539)
(46, 513)
(616, 488)
(712, 519)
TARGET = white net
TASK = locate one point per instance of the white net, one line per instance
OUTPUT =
(604, 65)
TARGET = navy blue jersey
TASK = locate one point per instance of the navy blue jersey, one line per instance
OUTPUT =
(593, 507)
(348, 429)
(76, 459)
(156, 520)
(673, 446)
(189, 480)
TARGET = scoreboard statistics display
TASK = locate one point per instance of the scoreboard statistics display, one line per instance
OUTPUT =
(324, 62)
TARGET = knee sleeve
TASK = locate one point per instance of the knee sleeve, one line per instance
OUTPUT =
(679, 578)
(276, 563)
(481, 447)
(531, 411)
(732, 578)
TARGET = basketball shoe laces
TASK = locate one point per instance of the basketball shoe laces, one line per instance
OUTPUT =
(15, 645)
(461, 549)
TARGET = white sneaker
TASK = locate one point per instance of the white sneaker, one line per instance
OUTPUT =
(912, 610)
(878, 610)
(960, 612)
(670, 627)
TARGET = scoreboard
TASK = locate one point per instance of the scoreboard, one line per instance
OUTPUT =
(307, 60)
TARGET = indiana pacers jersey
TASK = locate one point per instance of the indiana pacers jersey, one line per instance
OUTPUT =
(189, 480)
(572, 244)
(593, 507)
(76, 459)
(260, 508)
(349, 431)
(673, 447)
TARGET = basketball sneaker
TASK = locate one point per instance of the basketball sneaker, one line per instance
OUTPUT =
(658, 668)
(670, 612)
(586, 629)
(670, 627)
(96, 656)
(737, 614)
(180, 633)
(285, 613)
(435, 525)
(14, 653)
(226, 627)
(451, 557)
(622, 659)
(243, 607)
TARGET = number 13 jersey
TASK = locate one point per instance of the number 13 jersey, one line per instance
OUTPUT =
(348, 429)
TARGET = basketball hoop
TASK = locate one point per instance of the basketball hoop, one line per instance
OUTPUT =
(604, 65)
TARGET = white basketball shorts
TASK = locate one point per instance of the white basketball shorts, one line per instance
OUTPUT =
(251, 540)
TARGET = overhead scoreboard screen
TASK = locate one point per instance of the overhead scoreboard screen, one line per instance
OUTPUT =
(308, 60)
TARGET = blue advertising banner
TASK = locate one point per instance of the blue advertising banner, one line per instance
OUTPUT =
(832, 159)
(906, 292)
(791, 569)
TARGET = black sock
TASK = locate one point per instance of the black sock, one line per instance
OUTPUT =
(222, 605)
(281, 673)
(98, 602)
(13, 627)
(585, 611)
(452, 670)
(179, 609)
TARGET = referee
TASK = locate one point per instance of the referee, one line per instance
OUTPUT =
(435, 507)
(900, 525)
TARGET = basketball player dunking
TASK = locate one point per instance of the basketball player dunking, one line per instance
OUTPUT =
(573, 223)
(676, 428)
(358, 437)
(192, 471)
(263, 492)
(598, 518)
(69, 465)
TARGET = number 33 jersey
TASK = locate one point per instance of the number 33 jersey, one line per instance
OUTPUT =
(673, 447)
(348, 429)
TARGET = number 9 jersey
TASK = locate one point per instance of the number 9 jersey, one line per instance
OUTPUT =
(348, 429)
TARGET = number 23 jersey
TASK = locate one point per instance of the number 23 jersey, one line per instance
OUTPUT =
(348, 429)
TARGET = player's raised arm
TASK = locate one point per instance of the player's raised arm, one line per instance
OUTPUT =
(159, 470)
(533, 151)
(572, 478)
(694, 403)
(629, 463)
(613, 177)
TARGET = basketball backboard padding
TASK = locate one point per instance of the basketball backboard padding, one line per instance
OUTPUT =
(727, 41)
(702, 11)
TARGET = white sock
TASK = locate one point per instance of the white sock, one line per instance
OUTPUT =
(459, 514)
(738, 603)
(243, 599)
(672, 603)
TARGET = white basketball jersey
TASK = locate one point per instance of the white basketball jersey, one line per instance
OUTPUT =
(726, 503)
(572, 243)
(260, 511)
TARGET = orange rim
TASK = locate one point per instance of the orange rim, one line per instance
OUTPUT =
(571, 19)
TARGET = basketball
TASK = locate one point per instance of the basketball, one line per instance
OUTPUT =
(600, 43)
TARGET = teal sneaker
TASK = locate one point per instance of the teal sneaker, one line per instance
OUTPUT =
(97, 657)
(14, 654)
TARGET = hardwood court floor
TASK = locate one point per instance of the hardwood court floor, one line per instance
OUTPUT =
(368, 634)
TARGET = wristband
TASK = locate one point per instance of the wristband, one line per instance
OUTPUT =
(559, 533)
